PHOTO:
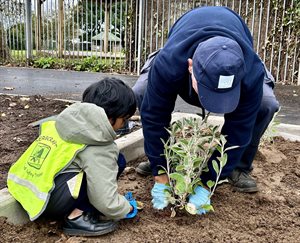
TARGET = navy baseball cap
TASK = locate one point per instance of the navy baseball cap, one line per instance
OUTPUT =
(219, 67)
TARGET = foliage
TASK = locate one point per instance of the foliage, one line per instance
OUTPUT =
(187, 152)
(283, 40)
(91, 64)
(45, 62)
(91, 19)
(12, 8)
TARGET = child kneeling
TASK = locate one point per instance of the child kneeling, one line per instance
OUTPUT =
(70, 171)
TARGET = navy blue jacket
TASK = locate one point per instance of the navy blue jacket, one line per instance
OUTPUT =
(169, 77)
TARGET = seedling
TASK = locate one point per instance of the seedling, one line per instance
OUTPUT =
(187, 151)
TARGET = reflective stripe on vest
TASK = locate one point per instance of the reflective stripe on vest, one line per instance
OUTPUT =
(31, 179)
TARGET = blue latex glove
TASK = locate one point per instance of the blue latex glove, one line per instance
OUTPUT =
(159, 197)
(200, 198)
(133, 203)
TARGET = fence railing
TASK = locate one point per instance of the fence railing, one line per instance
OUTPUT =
(116, 35)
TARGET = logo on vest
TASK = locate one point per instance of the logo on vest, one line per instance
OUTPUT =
(38, 155)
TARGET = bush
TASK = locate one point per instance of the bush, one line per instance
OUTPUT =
(187, 152)
(46, 62)
(92, 64)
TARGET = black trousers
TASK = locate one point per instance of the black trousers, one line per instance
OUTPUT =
(61, 202)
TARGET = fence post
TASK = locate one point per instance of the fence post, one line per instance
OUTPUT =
(60, 31)
(140, 46)
(38, 26)
(107, 27)
(298, 83)
(28, 30)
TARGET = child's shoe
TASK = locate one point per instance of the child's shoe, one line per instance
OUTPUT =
(88, 224)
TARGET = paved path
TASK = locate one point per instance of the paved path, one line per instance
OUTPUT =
(56, 83)
(71, 84)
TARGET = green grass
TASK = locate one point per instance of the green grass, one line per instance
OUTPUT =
(84, 62)
(20, 53)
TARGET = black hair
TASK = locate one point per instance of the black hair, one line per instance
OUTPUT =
(113, 95)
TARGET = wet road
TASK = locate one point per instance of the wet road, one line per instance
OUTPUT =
(71, 84)
(62, 84)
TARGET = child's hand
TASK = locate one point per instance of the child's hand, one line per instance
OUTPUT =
(133, 204)
(129, 196)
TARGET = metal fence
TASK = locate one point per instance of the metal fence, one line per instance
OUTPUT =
(120, 34)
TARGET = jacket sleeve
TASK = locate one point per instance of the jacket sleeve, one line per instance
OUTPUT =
(158, 104)
(101, 168)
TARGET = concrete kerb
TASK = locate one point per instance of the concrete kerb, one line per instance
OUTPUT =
(11, 209)
(132, 146)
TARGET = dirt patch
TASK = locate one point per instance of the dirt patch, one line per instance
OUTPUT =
(272, 215)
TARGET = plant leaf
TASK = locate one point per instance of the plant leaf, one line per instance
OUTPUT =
(219, 148)
(222, 181)
(223, 160)
(197, 161)
(199, 183)
(160, 172)
(210, 183)
(190, 188)
(179, 168)
(215, 166)
(205, 169)
(223, 139)
(184, 141)
(207, 207)
(231, 147)
(180, 184)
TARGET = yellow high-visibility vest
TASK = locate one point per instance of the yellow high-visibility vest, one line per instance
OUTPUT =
(31, 179)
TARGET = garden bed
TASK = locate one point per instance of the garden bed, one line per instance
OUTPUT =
(272, 215)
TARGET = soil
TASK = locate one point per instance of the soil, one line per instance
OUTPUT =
(271, 215)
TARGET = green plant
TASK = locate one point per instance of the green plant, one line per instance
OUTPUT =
(89, 64)
(187, 151)
(95, 64)
(45, 62)
(271, 131)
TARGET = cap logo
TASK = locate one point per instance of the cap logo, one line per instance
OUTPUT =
(225, 82)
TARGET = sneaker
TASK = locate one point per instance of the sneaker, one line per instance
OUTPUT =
(88, 224)
(242, 182)
(144, 168)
